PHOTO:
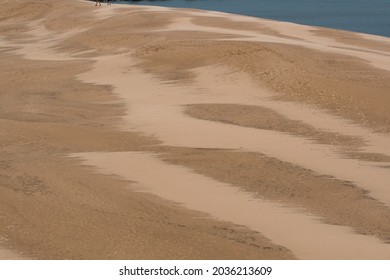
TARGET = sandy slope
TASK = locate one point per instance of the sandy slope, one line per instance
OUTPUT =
(205, 135)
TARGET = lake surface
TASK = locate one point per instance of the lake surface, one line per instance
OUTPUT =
(366, 16)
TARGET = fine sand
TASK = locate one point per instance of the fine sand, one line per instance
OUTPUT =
(154, 133)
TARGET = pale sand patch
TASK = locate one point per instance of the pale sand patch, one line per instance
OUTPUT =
(351, 39)
(377, 38)
(155, 109)
(6, 254)
(289, 29)
(299, 31)
(9, 254)
(227, 86)
(305, 39)
(334, 201)
(265, 118)
(109, 11)
(40, 43)
(301, 233)
(308, 33)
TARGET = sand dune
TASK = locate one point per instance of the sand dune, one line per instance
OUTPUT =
(183, 134)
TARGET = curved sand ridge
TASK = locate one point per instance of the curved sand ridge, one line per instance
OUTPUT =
(157, 109)
(303, 234)
(304, 38)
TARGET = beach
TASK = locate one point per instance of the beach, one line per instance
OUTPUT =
(361, 16)
(144, 132)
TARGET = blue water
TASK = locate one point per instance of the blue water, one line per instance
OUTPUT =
(366, 16)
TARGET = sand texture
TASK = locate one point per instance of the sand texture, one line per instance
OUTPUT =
(154, 133)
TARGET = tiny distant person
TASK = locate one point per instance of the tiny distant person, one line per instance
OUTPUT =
(98, 1)
(108, 2)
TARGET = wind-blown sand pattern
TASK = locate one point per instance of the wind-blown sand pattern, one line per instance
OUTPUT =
(155, 133)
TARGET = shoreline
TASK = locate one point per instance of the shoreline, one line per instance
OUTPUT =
(277, 112)
(279, 18)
